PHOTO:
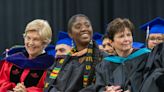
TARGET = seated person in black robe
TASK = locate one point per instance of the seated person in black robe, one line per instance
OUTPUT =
(155, 31)
(77, 71)
(154, 76)
(112, 72)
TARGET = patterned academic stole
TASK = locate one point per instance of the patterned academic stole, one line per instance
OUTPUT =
(88, 66)
(88, 62)
(54, 73)
(56, 70)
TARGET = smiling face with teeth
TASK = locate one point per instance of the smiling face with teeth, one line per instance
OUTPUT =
(81, 31)
(33, 44)
(37, 36)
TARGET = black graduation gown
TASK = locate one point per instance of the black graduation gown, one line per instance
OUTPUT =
(154, 76)
(70, 78)
(135, 72)
(115, 73)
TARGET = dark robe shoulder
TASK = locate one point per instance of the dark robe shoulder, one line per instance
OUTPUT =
(153, 78)
(134, 72)
(43, 61)
(70, 77)
(111, 70)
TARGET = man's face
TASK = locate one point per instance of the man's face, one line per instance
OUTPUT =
(62, 49)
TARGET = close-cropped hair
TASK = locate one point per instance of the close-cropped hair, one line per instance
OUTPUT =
(42, 27)
(119, 25)
(72, 20)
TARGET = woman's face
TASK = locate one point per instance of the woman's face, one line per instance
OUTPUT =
(33, 44)
(81, 31)
(122, 41)
(154, 39)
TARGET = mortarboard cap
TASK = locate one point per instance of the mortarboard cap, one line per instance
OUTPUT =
(50, 49)
(154, 26)
(98, 38)
(138, 45)
(63, 38)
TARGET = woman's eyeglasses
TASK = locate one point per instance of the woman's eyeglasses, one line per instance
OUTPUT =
(156, 39)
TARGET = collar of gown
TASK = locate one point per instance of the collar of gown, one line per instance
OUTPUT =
(41, 62)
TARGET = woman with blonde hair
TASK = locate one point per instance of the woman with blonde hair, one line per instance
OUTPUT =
(26, 71)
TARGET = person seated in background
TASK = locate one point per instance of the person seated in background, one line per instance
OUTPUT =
(63, 44)
(154, 71)
(62, 48)
(155, 32)
(97, 37)
(26, 71)
(107, 47)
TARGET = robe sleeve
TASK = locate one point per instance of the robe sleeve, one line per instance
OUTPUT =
(100, 83)
(5, 83)
(104, 75)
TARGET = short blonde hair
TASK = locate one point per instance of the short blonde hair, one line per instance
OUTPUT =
(42, 27)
